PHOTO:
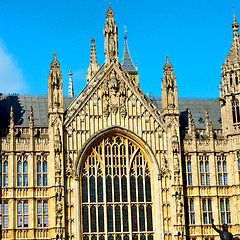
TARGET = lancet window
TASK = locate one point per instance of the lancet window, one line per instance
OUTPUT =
(42, 213)
(222, 170)
(116, 192)
(191, 211)
(3, 171)
(204, 170)
(22, 214)
(207, 211)
(22, 171)
(225, 210)
(187, 170)
(235, 111)
(41, 171)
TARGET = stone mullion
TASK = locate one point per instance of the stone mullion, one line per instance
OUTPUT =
(129, 190)
(104, 189)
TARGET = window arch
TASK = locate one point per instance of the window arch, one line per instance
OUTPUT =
(235, 111)
(116, 192)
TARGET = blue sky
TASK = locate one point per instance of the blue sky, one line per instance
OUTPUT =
(195, 34)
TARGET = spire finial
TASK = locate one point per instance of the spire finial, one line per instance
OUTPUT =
(235, 26)
(167, 59)
(70, 85)
(125, 33)
(54, 63)
(167, 66)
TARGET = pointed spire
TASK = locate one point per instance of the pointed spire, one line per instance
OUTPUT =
(235, 27)
(109, 12)
(70, 85)
(110, 34)
(93, 65)
(127, 62)
(54, 64)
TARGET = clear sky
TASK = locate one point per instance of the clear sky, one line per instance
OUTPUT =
(195, 34)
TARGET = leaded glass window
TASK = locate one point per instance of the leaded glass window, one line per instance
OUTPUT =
(4, 214)
(42, 213)
(22, 171)
(3, 171)
(116, 192)
(222, 170)
(191, 211)
(187, 170)
(22, 214)
(204, 170)
(207, 211)
(225, 210)
(41, 171)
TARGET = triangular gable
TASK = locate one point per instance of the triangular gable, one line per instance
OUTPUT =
(112, 85)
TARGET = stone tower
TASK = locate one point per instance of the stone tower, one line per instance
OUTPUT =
(55, 128)
(229, 88)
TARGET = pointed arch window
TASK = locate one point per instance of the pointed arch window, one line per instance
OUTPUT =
(187, 170)
(222, 170)
(3, 171)
(22, 171)
(204, 170)
(235, 111)
(116, 191)
(41, 171)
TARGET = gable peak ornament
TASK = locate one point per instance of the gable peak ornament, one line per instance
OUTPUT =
(110, 34)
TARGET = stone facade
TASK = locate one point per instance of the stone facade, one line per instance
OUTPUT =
(112, 165)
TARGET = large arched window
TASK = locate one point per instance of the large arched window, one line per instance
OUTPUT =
(116, 192)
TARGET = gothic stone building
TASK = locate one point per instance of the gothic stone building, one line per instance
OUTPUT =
(112, 164)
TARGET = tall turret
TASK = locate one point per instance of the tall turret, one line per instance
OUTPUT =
(93, 65)
(127, 62)
(110, 32)
(229, 88)
(55, 95)
(169, 90)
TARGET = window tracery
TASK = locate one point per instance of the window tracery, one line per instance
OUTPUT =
(22, 171)
(204, 170)
(3, 171)
(41, 171)
(235, 111)
(222, 170)
(116, 192)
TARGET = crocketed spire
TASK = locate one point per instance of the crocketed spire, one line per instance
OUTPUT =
(127, 62)
(93, 65)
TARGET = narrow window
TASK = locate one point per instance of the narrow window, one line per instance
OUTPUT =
(225, 210)
(187, 169)
(207, 211)
(41, 171)
(3, 171)
(22, 214)
(204, 170)
(222, 170)
(22, 171)
(191, 211)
